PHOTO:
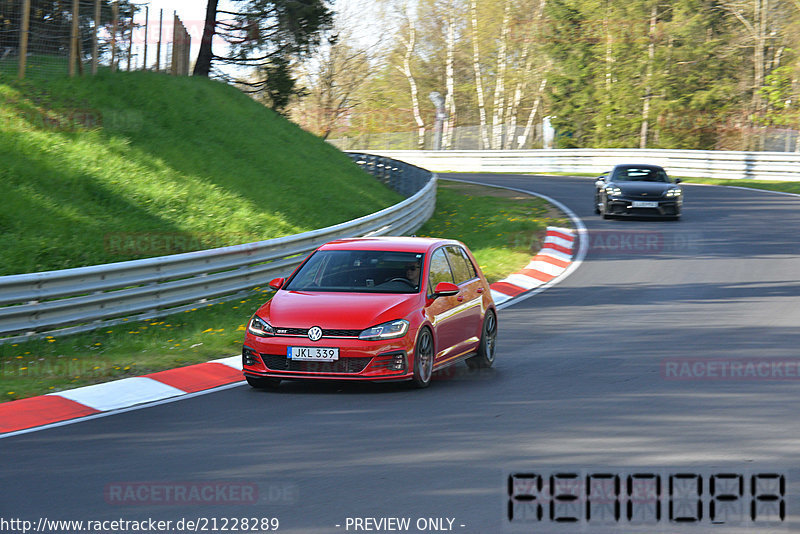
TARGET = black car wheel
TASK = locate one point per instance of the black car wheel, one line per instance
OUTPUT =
(485, 356)
(263, 383)
(423, 359)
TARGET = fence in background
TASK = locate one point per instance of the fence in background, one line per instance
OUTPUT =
(458, 138)
(520, 138)
(689, 163)
(39, 38)
(85, 298)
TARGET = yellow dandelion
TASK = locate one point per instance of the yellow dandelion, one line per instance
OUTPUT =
(51, 340)
(10, 392)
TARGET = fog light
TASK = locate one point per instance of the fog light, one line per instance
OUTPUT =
(249, 357)
(399, 362)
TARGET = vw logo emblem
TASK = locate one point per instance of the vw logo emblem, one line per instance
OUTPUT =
(315, 333)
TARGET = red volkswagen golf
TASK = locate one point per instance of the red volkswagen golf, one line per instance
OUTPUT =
(388, 308)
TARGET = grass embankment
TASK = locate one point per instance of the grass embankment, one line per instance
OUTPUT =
(113, 167)
(502, 228)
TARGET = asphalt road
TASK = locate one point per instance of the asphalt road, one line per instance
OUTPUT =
(590, 377)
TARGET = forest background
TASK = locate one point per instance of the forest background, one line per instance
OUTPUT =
(682, 74)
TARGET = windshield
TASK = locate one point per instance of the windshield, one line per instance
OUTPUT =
(639, 174)
(362, 271)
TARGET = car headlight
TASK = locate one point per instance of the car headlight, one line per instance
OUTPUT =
(674, 193)
(389, 330)
(259, 327)
(613, 191)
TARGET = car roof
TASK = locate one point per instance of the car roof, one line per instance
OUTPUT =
(396, 244)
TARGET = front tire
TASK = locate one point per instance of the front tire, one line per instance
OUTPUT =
(423, 359)
(604, 210)
(485, 356)
(263, 383)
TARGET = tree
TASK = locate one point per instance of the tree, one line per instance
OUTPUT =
(268, 35)
(332, 79)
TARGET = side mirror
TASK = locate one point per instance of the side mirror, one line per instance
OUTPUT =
(445, 289)
(277, 283)
(677, 180)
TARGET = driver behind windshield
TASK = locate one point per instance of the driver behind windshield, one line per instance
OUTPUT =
(412, 273)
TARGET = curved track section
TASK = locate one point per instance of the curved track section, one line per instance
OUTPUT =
(582, 381)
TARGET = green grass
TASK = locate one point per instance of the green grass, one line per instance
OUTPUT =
(770, 185)
(120, 166)
(502, 228)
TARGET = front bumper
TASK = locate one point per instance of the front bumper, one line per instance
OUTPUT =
(625, 207)
(358, 359)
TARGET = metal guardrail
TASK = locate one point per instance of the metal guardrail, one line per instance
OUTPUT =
(85, 298)
(684, 163)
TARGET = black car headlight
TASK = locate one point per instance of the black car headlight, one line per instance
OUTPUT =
(390, 330)
(260, 327)
(672, 193)
(613, 191)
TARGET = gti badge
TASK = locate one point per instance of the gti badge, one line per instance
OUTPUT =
(315, 333)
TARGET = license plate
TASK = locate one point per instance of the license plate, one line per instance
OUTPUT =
(313, 354)
(644, 204)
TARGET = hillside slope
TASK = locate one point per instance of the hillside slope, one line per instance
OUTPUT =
(128, 165)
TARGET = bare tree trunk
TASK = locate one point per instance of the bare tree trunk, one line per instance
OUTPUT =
(529, 125)
(449, 99)
(513, 103)
(476, 65)
(202, 67)
(500, 79)
(512, 110)
(406, 70)
(648, 89)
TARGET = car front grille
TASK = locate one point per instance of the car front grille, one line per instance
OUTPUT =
(647, 196)
(325, 333)
(342, 365)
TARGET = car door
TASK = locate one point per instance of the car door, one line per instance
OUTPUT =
(441, 311)
(469, 299)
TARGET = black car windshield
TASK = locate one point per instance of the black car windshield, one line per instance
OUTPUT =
(639, 174)
(359, 271)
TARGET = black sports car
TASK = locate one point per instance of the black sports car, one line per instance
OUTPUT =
(638, 190)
